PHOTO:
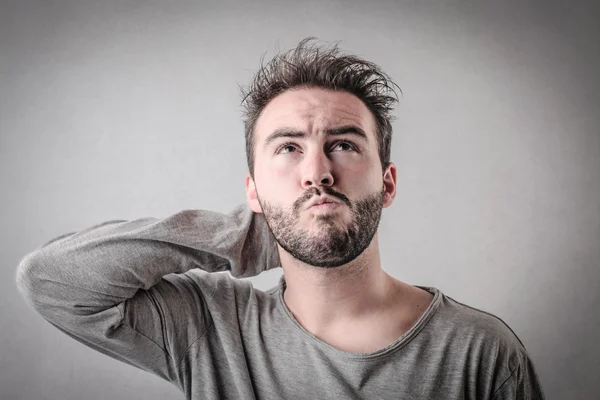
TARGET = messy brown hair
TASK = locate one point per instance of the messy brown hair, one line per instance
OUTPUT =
(308, 65)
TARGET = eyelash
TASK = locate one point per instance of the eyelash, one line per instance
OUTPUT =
(352, 146)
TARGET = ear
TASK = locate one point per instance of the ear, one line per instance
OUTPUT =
(389, 182)
(251, 196)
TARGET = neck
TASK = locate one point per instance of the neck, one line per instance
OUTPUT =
(322, 298)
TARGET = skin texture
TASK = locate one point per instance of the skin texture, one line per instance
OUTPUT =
(330, 257)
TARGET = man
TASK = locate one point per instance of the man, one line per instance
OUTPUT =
(337, 326)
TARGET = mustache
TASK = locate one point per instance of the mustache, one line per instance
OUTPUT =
(313, 191)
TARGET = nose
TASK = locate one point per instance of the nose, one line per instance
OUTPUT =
(317, 170)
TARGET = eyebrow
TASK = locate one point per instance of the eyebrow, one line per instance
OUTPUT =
(291, 133)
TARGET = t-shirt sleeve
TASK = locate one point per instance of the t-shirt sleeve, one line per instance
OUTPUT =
(523, 382)
(122, 287)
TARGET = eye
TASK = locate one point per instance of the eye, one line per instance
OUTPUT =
(291, 145)
(285, 146)
(350, 145)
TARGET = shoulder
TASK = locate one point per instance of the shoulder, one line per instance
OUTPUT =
(469, 323)
(224, 293)
(494, 351)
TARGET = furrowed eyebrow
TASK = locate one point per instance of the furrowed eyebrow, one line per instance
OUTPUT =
(291, 133)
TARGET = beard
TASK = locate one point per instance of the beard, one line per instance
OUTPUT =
(333, 245)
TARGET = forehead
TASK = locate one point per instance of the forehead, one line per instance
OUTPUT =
(313, 110)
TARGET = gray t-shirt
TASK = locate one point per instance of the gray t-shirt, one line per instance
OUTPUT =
(147, 292)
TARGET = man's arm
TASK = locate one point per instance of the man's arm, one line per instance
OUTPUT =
(106, 286)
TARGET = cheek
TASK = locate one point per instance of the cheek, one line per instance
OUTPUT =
(364, 179)
(278, 179)
(274, 182)
(280, 168)
(355, 170)
(356, 167)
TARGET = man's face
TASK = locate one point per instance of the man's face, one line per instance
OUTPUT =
(312, 143)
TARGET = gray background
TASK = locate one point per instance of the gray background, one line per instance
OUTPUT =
(125, 109)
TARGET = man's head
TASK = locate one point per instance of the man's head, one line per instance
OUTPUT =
(318, 127)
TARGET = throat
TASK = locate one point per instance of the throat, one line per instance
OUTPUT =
(373, 333)
(361, 341)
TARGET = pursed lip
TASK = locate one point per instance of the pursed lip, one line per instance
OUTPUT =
(320, 200)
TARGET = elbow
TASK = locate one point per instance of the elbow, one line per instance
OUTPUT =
(25, 273)
(28, 277)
